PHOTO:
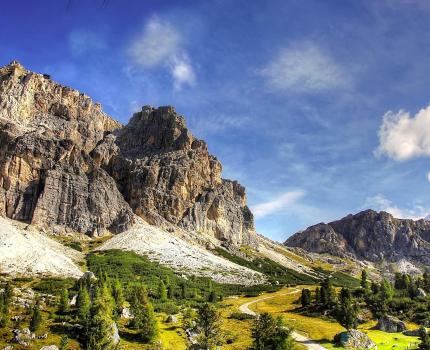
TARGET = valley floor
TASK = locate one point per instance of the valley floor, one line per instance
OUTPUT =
(311, 332)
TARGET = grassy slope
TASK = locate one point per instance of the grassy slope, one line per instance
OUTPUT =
(272, 269)
(324, 330)
(277, 272)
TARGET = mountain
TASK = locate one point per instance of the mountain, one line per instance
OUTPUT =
(67, 166)
(368, 235)
(73, 176)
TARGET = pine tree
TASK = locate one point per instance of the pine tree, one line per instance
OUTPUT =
(271, 333)
(363, 282)
(144, 319)
(118, 295)
(170, 292)
(162, 291)
(64, 343)
(183, 291)
(5, 300)
(208, 326)
(306, 297)
(100, 326)
(36, 318)
(83, 304)
(347, 310)
(426, 281)
(385, 295)
(425, 340)
(317, 296)
(212, 297)
(63, 306)
(327, 294)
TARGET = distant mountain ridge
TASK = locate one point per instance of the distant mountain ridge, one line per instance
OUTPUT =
(368, 235)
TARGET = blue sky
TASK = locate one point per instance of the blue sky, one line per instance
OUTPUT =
(320, 108)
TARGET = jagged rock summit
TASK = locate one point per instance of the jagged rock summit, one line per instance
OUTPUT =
(67, 165)
(370, 236)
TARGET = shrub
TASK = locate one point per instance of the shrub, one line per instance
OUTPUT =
(241, 316)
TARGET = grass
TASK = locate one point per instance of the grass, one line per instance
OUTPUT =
(273, 270)
(132, 268)
(171, 336)
(383, 340)
(318, 329)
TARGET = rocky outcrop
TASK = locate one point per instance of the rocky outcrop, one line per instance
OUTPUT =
(368, 235)
(354, 339)
(65, 164)
(169, 178)
(46, 174)
(415, 332)
(390, 324)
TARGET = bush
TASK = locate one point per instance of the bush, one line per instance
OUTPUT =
(241, 316)
(75, 245)
(54, 285)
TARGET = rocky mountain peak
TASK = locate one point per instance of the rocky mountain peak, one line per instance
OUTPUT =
(368, 235)
(66, 164)
(154, 130)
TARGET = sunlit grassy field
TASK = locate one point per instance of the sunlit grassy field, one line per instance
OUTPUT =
(322, 330)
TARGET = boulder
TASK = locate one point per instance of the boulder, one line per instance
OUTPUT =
(421, 293)
(88, 277)
(126, 313)
(115, 334)
(22, 336)
(354, 339)
(390, 324)
(49, 347)
(415, 332)
(72, 302)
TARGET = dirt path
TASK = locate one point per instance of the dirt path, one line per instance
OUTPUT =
(310, 344)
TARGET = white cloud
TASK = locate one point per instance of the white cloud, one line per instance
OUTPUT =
(402, 137)
(277, 204)
(160, 44)
(157, 42)
(182, 72)
(82, 42)
(305, 68)
(428, 176)
(380, 202)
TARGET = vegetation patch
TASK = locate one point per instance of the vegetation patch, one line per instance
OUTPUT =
(274, 271)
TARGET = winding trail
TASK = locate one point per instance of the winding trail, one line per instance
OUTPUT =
(309, 343)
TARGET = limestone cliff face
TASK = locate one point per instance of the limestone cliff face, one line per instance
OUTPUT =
(368, 235)
(46, 175)
(64, 163)
(168, 177)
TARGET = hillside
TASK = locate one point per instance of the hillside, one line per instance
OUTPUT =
(71, 171)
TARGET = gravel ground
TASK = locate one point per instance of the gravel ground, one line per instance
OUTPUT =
(180, 255)
(27, 252)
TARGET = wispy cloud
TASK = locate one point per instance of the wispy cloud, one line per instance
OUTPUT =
(160, 44)
(277, 204)
(403, 137)
(83, 42)
(380, 202)
(182, 72)
(305, 68)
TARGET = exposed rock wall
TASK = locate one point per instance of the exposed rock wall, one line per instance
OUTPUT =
(168, 177)
(65, 163)
(368, 235)
(46, 174)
